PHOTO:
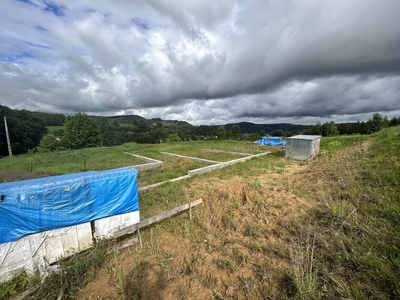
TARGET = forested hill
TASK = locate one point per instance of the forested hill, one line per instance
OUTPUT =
(128, 119)
(25, 128)
(132, 119)
(247, 127)
(31, 131)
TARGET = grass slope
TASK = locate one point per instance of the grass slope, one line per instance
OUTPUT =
(269, 228)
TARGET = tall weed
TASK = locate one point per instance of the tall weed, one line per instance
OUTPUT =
(357, 248)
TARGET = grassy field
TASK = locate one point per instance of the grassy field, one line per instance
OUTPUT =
(349, 241)
(98, 159)
(269, 228)
(53, 128)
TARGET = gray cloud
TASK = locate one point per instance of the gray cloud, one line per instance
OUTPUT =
(325, 97)
(203, 61)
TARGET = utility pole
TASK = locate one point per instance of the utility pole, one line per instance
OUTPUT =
(8, 137)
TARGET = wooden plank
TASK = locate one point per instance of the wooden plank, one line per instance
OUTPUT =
(124, 244)
(27, 293)
(167, 214)
(157, 218)
(139, 237)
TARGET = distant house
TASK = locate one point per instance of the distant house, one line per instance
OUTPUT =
(303, 147)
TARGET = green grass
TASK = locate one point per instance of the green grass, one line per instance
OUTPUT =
(52, 128)
(335, 144)
(75, 272)
(66, 162)
(347, 243)
(20, 282)
(125, 124)
(57, 163)
(355, 253)
(172, 168)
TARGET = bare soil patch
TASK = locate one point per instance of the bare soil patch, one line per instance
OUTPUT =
(9, 176)
(238, 245)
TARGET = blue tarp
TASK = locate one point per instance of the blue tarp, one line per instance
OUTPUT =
(271, 141)
(36, 205)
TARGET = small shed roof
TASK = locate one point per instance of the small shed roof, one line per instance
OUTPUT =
(305, 137)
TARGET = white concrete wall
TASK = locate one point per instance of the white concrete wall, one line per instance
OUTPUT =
(40, 250)
(104, 228)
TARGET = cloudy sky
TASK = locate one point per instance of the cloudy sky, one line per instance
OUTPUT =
(203, 61)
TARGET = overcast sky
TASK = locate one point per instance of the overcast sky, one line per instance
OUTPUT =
(204, 62)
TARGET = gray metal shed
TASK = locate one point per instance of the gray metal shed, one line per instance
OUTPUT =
(303, 147)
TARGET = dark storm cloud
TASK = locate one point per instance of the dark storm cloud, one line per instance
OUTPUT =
(325, 97)
(315, 43)
(202, 60)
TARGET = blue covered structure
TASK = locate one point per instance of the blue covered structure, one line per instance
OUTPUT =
(37, 205)
(271, 141)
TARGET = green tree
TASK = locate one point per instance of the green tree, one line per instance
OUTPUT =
(25, 130)
(253, 137)
(277, 132)
(50, 142)
(378, 122)
(173, 137)
(346, 128)
(294, 132)
(234, 133)
(205, 132)
(50, 119)
(82, 131)
(221, 132)
(317, 128)
(329, 129)
(58, 133)
(332, 129)
(386, 122)
(364, 127)
(394, 121)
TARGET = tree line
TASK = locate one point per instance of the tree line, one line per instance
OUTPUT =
(28, 131)
(25, 128)
(376, 123)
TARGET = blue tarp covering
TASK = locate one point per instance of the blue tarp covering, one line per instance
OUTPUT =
(37, 205)
(271, 141)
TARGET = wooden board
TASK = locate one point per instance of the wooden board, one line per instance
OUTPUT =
(164, 215)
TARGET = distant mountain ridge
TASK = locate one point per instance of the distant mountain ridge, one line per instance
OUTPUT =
(130, 119)
(58, 119)
(248, 127)
(245, 127)
(27, 128)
